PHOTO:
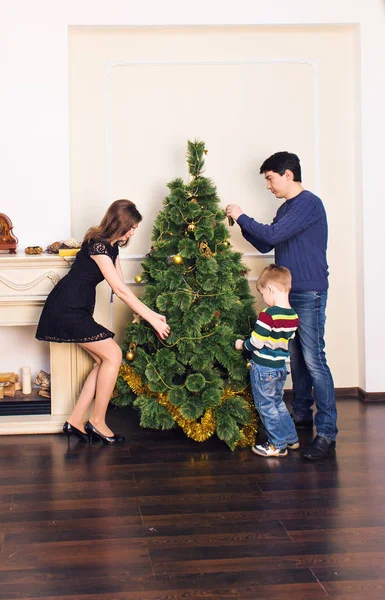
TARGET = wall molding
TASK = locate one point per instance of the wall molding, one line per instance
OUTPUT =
(115, 64)
(350, 393)
(140, 257)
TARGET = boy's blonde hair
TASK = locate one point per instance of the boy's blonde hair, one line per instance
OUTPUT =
(279, 276)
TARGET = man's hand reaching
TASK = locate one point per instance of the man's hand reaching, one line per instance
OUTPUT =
(234, 211)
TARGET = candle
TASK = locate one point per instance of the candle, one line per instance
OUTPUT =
(26, 380)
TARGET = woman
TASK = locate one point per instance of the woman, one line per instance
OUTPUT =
(67, 317)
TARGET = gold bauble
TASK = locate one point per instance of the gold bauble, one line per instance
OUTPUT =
(177, 259)
(138, 278)
(130, 354)
(248, 365)
(191, 227)
(225, 243)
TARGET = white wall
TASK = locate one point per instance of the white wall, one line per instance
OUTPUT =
(34, 142)
(138, 94)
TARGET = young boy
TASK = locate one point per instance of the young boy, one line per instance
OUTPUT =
(299, 236)
(268, 343)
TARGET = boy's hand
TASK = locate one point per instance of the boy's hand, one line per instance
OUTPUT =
(239, 344)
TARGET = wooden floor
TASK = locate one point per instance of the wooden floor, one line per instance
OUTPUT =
(162, 517)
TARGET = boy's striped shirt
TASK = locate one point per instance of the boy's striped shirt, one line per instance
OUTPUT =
(269, 342)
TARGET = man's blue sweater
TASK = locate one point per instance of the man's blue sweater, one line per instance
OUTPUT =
(299, 234)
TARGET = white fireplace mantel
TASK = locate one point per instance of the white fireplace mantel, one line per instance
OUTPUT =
(25, 282)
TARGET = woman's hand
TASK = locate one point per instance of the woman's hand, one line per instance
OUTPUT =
(160, 325)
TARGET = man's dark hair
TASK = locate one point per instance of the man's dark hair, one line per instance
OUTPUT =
(280, 162)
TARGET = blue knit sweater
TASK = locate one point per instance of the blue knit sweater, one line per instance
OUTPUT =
(299, 234)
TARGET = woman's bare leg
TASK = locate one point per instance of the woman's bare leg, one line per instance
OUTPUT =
(110, 356)
(87, 394)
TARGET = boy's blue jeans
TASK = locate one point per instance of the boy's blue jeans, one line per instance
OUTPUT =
(267, 387)
(309, 368)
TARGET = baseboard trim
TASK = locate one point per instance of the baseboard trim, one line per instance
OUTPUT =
(351, 393)
(370, 396)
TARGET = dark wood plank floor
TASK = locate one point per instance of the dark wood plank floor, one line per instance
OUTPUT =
(162, 517)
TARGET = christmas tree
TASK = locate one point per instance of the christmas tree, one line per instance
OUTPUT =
(195, 378)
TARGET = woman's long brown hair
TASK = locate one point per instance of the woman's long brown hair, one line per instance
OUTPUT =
(121, 216)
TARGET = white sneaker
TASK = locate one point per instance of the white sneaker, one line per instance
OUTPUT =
(268, 449)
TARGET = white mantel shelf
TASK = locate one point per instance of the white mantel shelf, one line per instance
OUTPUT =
(10, 261)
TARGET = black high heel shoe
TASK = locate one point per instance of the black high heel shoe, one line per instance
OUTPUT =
(109, 440)
(69, 430)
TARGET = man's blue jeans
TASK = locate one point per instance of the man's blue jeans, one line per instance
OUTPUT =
(309, 368)
(267, 387)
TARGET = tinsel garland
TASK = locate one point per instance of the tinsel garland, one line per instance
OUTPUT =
(249, 432)
(205, 428)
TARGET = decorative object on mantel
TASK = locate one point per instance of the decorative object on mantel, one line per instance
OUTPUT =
(26, 380)
(7, 240)
(43, 380)
(9, 384)
(33, 250)
(68, 251)
(69, 244)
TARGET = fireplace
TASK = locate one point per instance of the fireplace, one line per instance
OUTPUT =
(25, 282)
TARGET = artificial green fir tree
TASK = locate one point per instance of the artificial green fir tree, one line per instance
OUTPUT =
(195, 378)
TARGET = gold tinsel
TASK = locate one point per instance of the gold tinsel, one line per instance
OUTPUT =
(205, 428)
(249, 432)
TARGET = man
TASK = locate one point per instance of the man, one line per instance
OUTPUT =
(299, 235)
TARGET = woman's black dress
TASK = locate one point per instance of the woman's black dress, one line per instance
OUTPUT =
(68, 310)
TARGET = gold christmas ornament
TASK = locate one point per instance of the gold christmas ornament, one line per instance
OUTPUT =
(136, 318)
(138, 278)
(206, 250)
(130, 354)
(191, 227)
(248, 365)
(177, 259)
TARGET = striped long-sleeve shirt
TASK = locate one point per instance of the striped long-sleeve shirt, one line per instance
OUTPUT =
(269, 341)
